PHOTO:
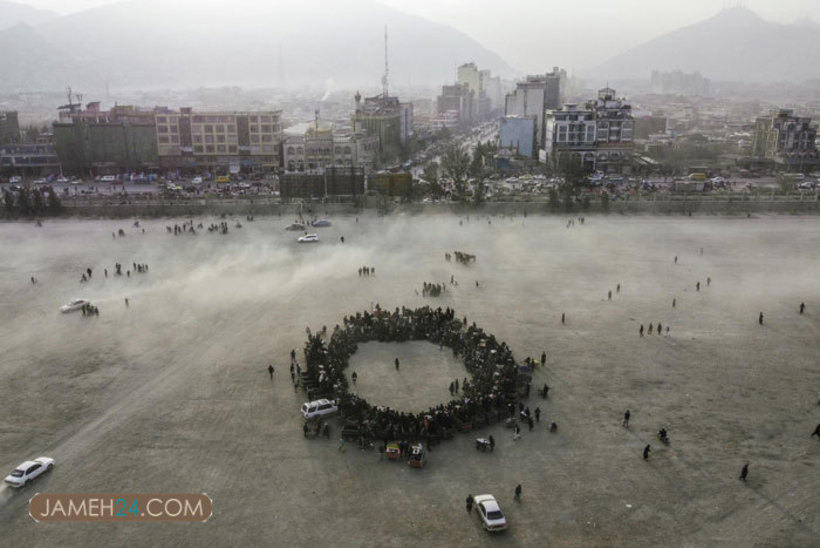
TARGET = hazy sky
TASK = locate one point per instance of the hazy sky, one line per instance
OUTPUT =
(533, 35)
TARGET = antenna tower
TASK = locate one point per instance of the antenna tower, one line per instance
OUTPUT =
(386, 71)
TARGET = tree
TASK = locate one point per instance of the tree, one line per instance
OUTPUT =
(479, 191)
(605, 202)
(8, 201)
(456, 164)
(23, 201)
(55, 206)
(37, 201)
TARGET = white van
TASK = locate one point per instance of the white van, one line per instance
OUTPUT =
(109, 179)
(318, 408)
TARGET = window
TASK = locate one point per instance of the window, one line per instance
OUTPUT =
(254, 129)
(209, 148)
(231, 128)
(253, 119)
(290, 150)
(254, 138)
(163, 139)
(221, 148)
(300, 150)
(209, 138)
(347, 150)
(220, 138)
(174, 129)
(267, 138)
(175, 139)
(337, 150)
(161, 119)
(197, 138)
(232, 149)
(220, 129)
(264, 119)
(266, 129)
(198, 149)
(162, 129)
(209, 128)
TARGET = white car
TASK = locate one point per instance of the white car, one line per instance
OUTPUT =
(318, 408)
(490, 513)
(197, 180)
(26, 472)
(308, 238)
(76, 304)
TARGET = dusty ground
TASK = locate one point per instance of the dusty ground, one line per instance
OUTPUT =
(171, 393)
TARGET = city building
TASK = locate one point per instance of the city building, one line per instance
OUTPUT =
(455, 99)
(535, 95)
(94, 141)
(9, 127)
(386, 118)
(28, 160)
(214, 141)
(679, 82)
(785, 139)
(598, 136)
(517, 133)
(321, 147)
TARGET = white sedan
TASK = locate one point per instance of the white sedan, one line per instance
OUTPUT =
(308, 238)
(26, 472)
(76, 304)
(490, 513)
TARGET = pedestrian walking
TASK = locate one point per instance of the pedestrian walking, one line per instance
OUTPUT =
(650, 329)
(697, 286)
(516, 433)
(469, 503)
(292, 355)
(760, 319)
(126, 302)
(816, 432)
(646, 451)
(518, 493)
(802, 307)
(543, 358)
(744, 472)
(270, 370)
(492, 443)
(708, 281)
(341, 445)
(618, 288)
(674, 302)
(609, 295)
(537, 414)
(354, 377)
(641, 330)
(397, 364)
(563, 318)
(530, 422)
(625, 422)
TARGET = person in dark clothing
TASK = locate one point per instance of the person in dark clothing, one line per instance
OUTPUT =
(518, 493)
(816, 432)
(469, 503)
(397, 364)
(270, 371)
(492, 442)
(760, 319)
(802, 307)
(544, 357)
(625, 423)
(744, 472)
(537, 414)
(646, 451)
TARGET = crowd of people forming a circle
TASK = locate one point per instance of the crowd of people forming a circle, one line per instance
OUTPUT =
(494, 386)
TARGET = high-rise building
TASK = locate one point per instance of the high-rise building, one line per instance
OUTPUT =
(535, 95)
(785, 138)
(388, 119)
(458, 99)
(598, 136)
(9, 127)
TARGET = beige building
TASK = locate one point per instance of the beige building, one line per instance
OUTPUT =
(212, 140)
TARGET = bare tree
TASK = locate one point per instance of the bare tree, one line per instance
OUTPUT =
(455, 163)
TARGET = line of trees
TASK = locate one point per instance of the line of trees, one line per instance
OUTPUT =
(29, 202)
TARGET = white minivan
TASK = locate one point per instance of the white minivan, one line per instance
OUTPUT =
(318, 408)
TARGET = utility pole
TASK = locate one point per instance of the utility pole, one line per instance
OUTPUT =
(386, 71)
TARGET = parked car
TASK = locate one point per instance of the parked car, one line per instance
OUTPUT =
(27, 471)
(76, 304)
(492, 518)
(318, 408)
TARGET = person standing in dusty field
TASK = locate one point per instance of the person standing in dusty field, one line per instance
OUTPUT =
(646, 451)
(625, 422)
(744, 472)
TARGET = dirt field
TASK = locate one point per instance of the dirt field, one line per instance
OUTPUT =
(171, 393)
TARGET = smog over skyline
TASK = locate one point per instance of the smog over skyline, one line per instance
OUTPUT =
(430, 273)
(516, 30)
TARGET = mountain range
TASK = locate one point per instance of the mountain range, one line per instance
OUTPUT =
(734, 45)
(161, 44)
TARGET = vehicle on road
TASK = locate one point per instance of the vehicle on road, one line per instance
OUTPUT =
(308, 238)
(76, 304)
(27, 471)
(320, 223)
(318, 408)
(492, 518)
